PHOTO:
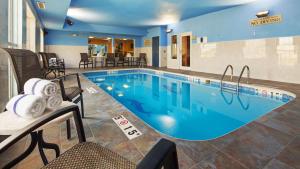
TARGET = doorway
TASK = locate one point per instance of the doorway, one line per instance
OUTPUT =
(185, 50)
(155, 51)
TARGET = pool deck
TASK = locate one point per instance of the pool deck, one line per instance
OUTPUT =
(271, 142)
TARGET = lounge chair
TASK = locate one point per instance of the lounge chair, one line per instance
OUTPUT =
(26, 66)
(52, 64)
(89, 155)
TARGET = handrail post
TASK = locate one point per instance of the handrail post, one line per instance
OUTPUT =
(240, 77)
(231, 76)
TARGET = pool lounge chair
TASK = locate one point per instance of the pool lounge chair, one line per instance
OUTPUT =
(26, 65)
(89, 155)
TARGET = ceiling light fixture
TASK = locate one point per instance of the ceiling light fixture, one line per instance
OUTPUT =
(124, 39)
(69, 22)
(91, 37)
(263, 14)
(41, 5)
(74, 34)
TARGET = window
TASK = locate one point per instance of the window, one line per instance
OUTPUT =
(174, 47)
(31, 30)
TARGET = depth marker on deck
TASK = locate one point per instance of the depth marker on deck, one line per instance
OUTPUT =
(128, 129)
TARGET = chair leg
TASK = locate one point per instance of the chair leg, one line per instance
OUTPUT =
(81, 102)
(69, 135)
(42, 144)
(25, 154)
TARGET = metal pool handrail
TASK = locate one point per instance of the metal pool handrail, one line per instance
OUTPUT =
(223, 76)
(240, 77)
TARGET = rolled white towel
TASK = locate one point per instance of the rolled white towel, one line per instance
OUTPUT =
(44, 88)
(27, 105)
(54, 101)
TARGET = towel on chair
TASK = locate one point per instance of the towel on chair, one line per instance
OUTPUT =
(54, 101)
(27, 105)
(44, 88)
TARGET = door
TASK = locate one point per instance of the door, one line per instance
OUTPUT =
(155, 51)
(185, 51)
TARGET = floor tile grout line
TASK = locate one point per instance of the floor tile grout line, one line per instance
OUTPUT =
(228, 155)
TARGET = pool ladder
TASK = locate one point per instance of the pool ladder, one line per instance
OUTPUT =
(246, 67)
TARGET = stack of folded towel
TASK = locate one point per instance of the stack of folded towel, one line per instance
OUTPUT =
(39, 94)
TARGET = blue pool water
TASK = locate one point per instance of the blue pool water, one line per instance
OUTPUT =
(183, 109)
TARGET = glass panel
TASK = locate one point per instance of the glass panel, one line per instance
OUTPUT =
(174, 47)
(124, 46)
(99, 46)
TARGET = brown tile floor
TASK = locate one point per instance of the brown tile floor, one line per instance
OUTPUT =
(271, 142)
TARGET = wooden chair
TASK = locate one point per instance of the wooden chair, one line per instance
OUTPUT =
(85, 61)
(90, 155)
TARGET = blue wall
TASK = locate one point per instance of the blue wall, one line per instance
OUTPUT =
(65, 38)
(234, 23)
(157, 31)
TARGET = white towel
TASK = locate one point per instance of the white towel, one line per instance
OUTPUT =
(54, 101)
(27, 105)
(44, 88)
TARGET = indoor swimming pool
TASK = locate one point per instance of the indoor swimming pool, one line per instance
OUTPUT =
(186, 107)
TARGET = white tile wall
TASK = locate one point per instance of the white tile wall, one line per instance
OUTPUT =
(275, 59)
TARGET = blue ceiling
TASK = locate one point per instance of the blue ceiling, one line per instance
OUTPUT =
(127, 13)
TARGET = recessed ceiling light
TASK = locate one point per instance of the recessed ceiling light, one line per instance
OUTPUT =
(91, 37)
(41, 5)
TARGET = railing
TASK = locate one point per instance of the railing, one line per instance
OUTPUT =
(223, 76)
(240, 77)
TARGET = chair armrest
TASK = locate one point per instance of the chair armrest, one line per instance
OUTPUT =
(11, 140)
(62, 86)
(162, 154)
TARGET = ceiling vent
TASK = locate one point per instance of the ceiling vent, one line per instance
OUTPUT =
(41, 5)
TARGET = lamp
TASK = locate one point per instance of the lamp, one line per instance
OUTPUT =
(169, 30)
(262, 13)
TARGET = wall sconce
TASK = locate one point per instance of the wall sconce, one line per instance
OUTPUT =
(262, 14)
(169, 30)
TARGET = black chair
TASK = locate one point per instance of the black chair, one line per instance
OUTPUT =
(110, 59)
(26, 66)
(92, 155)
(85, 61)
(142, 60)
(58, 63)
(122, 60)
(52, 64)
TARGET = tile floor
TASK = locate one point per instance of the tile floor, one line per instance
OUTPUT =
(271, 142)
